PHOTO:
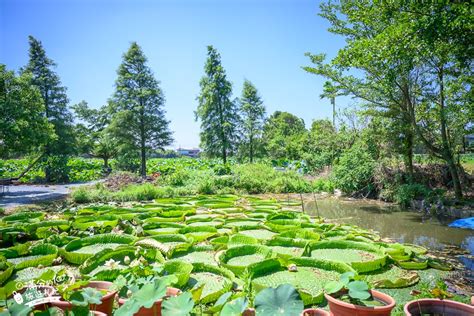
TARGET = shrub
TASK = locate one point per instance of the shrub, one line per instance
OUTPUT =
(323, 185)
(57, 169)
(253, 178)
(406, 193)
(81, 195)
(354, 171)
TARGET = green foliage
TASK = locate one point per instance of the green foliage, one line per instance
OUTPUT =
(23, 127)
(180, 305)
(138, 104)
(253, 114)
(354, 171)
(55, 101)
(357, 290)
(217, 112)
(283, 300)
(146, 297)
(284, 135)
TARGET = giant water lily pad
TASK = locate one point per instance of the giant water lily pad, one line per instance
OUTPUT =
(213, 280)
(237, 259)
(309, 278)
(391, 277)
(362, 257)
(260, 234)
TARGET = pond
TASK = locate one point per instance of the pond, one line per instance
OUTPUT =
(393, 222)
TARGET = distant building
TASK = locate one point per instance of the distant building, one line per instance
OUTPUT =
(194, 153)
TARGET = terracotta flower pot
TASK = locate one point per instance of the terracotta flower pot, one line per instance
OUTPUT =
(340, 308)
(436, 306)
(105, 307)
(249, 312)
(314, 312)
(155, 310)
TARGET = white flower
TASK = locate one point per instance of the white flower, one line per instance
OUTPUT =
(134, 263)
(111, 264)
(126, 260)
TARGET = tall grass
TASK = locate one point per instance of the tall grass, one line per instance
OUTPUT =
(242, 179)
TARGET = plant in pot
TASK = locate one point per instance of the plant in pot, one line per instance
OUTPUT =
(433, 301)
(134, 278)
(96, 295)
(351, 296)
(282, 300)
(152, 295)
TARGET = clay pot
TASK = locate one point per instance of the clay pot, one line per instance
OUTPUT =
(105, 307)
(340, 308)
(437, 306)
(249, 312)
(314, 312)
(155, 310)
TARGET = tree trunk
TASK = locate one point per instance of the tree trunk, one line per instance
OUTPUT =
(447, 152)
(251, 149)
(409, 156)
(142, 142)
(106, 162)
(224, 153)
(47, 149)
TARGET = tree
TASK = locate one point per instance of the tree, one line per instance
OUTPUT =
(138, 122)
(95, 138)
(55, 101)
(253, 117)
(284, 136)
(23, 127)
(414, 68)
(218, 114)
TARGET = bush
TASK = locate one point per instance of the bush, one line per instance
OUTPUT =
(406, 193)
(57, 169)
(323, 185)
(354, 172)
(253, 178)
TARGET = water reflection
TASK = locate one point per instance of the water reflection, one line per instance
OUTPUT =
(393, 222)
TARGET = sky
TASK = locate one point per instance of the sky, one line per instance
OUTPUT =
(263, 41)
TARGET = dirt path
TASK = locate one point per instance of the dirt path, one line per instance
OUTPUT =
(31, 194)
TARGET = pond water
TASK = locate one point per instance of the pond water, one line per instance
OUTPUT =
(395, 223)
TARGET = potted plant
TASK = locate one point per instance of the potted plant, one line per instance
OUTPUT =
(350, 296)
(96, 295)
(144, 296)
(283, 300)
(434, 301)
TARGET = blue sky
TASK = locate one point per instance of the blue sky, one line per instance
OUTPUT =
(260, 40)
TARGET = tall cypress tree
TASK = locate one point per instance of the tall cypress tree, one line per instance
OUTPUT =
(218, 114)
(56, 110)
(253, 116)
(138, 123)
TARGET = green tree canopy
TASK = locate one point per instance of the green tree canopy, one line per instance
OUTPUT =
(23, 127)
(93, 136)
(412, 67)
(284, 135)
(40, 68)
(253, 118)
(138, 122)
(218, 114)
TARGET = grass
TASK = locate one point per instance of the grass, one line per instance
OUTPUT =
(243, 179)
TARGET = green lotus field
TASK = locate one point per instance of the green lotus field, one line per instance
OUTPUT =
(216, 244)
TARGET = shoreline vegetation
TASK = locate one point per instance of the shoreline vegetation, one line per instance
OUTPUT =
(171, 177)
